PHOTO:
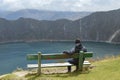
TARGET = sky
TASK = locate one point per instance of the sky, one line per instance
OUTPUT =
(60, 5)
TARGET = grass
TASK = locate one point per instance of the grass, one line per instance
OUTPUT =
(107, 69)
(12, 77)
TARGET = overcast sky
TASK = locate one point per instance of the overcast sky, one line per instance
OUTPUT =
(60, 5)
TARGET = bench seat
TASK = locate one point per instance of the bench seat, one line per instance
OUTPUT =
(85, 64)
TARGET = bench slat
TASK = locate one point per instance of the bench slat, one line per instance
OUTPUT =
(86, 63)
(49, 65)
(56, 56)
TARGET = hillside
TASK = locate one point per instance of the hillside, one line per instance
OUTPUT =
(107, 69)
(30, 30)
(99, 26)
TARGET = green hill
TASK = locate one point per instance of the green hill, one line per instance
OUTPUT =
(107, 69)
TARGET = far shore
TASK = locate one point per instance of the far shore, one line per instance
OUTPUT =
(30, 41)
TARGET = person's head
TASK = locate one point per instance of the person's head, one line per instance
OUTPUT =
(77, 41)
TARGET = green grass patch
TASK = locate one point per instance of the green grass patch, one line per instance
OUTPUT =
(107, 69)
(11, 77)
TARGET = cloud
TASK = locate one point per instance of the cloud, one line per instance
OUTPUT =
(11, 5)
(60, 5)
(103, 5)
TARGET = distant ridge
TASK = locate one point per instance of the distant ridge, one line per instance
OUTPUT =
(43, 15)
(99, 26)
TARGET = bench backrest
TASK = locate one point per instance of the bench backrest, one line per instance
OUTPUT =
(56, 56)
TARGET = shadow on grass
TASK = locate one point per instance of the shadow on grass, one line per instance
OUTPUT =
(70, 74)
(53, 75)
(32, 76)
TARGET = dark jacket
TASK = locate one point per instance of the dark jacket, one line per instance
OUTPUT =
(78, 47)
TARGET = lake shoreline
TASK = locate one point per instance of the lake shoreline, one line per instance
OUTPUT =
(30, 41)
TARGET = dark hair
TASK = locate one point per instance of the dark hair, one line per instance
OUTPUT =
(77, 41)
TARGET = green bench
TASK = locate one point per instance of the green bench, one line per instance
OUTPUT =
(39, 57)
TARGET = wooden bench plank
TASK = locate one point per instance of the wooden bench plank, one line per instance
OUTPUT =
(49, 65)
(56, 56)
(86, 63)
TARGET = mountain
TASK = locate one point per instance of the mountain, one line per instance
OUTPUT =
(99, 26)
(43, 15)
(30, 30)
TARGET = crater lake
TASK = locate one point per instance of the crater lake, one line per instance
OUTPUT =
(13, 55)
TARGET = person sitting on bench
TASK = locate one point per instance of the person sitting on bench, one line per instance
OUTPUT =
(78, 47)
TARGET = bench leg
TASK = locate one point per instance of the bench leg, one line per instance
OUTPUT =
(69, 68)
(77, 68)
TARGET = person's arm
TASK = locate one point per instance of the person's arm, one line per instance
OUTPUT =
(84, 49)
(72, 51)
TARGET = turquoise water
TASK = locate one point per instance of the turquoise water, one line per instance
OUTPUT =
(13, 55)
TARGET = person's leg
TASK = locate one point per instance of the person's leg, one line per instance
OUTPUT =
(75, 62)
(69, 68)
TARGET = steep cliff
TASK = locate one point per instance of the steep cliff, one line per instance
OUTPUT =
(101, 26)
